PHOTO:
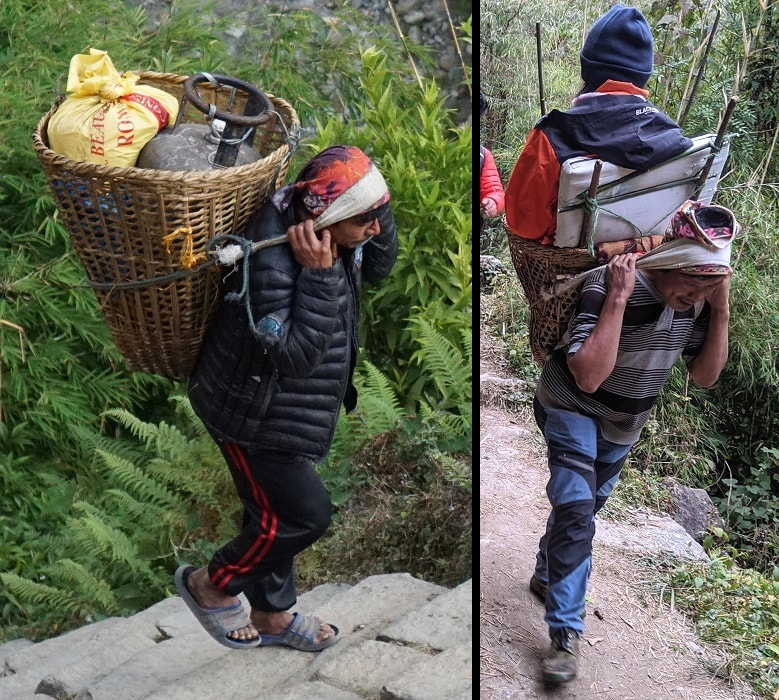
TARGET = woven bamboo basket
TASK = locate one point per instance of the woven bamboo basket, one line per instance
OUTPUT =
(540, 268)
(142, 234)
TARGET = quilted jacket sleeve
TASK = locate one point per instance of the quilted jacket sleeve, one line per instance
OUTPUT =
(295, 309)
(381, 251)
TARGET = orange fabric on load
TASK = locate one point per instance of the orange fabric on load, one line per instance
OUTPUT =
(606, 251)
(531, 193)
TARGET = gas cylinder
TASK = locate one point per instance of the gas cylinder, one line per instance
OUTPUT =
(225, 141)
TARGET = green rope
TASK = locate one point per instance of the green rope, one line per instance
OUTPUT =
(244, 294)
(139, 284)
(591, 207)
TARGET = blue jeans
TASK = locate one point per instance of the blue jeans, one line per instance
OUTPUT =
(584, 468)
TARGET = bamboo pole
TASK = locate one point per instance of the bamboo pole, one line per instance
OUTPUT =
(699, 74)
(718, 139)
(405, 46)
(457, 46)
(540, 63)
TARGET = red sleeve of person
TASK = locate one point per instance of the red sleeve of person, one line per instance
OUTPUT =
(491, 194)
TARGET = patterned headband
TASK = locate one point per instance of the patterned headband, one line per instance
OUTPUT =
(334, 171)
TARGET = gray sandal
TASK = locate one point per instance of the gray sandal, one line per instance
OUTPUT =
(301, 635)
(218, 622)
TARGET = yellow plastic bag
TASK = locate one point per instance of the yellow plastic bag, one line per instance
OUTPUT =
(107, 118)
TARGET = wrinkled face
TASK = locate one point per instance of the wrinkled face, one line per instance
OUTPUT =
(684, 291)
(355, 230)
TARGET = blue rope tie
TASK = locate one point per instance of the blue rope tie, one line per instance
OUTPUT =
(244, 295)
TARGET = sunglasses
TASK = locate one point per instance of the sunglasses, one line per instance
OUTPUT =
(367, 217)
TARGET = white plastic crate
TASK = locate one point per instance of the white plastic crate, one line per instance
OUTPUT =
(633, 208)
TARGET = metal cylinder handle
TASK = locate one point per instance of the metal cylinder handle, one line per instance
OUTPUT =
(258, 101)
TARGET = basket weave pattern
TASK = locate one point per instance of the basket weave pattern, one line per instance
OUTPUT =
(539, 267)
(131, 225)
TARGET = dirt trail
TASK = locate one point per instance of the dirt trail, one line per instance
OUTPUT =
(631, 649)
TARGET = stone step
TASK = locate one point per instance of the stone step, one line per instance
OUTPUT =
(186, 648)
(445, 675)
(402, 638)
(413, 641)
(314, 690)
(444, 622)
(59, 667)
(358, 611)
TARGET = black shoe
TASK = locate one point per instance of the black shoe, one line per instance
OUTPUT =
(559, 666)
(538, 588)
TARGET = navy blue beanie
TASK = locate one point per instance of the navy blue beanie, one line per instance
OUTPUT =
(618, 47)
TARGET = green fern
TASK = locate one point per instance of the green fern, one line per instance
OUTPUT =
(136, 481)
(93, 531)
(459, 424)
(140, 429)
(456, 471)
(159, 435)
(191, 419)
(449, 366)
(379, 402)
(141, 514)
(39, 594)
(83, 583)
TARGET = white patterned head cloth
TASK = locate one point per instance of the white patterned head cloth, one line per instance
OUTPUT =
(708, 230)
(338, 183)
(687, 256)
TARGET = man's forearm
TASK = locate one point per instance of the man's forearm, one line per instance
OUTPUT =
(595, 359)
(706, 368)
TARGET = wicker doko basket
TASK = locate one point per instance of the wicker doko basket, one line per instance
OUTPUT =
(539, 268)
(141, 234)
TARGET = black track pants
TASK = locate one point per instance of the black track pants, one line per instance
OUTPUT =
(286, 509)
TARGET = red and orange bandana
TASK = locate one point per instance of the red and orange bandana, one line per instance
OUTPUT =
(340, 182)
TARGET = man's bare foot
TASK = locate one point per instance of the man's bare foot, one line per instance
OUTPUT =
(277, 623)
(208, 596)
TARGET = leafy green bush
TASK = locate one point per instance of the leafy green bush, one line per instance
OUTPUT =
(738, 610)
(140, 503)
(751, 509)
(427, 165)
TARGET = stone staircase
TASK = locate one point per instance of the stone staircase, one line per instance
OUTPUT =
(402, 639)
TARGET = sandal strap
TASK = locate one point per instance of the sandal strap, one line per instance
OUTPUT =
(228, 619)
(304, 627)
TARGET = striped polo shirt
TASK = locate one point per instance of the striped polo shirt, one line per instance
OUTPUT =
(653, 337)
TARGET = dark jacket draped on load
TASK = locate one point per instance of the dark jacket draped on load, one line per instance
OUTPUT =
(281, 388)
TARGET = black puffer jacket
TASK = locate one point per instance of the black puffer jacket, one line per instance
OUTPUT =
(283, 390)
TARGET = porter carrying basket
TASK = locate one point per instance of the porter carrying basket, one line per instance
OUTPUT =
(543, 269)
(142, 234)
